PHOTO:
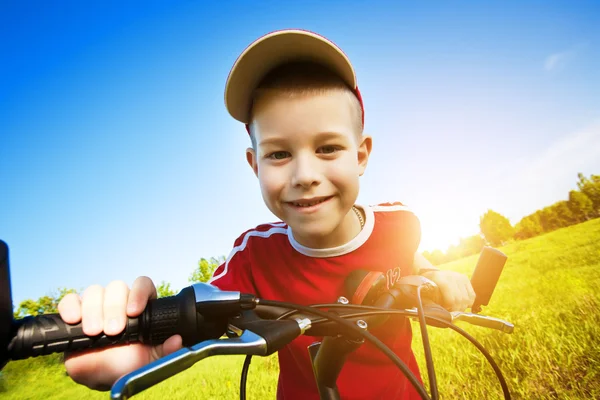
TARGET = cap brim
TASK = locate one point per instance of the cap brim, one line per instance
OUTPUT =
(275, 49)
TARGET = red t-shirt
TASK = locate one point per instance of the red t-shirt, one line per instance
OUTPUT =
(268, 262)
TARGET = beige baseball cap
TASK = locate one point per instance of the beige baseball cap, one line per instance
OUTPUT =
(277, 48)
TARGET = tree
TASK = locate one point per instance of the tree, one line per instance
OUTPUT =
(164, 290)
(452, 253)
(205, 269)
(470, 245)
(436, 257)
(563, 213)
(581, 206)
(496, 228)
(591, 188)
(548, 219)
(528, 227)
(44, 305)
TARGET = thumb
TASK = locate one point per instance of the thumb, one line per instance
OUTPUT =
(170, 345)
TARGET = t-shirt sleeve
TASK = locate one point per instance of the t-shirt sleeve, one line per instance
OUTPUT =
(406, 226)
(235, 273)
(402, 234)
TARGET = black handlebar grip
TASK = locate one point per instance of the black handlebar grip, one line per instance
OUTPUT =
(48, 333)
(172, 315)
(162, 318)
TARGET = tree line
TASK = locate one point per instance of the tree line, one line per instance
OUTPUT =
(495, 230)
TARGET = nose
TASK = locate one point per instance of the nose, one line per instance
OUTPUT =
(306, 171)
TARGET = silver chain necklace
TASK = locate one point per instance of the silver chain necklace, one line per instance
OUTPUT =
(360, 217)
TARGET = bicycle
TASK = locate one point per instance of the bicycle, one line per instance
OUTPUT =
(214, 322)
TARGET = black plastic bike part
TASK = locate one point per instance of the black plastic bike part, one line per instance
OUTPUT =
(325, 392)
(46, 334)
(165, 367)
(485, 276)
(412, 288)
(367, 288)
(402, 295)
(328, 359)
(364, 287)
(266, 312)
(329, 356)
(427, 347)
(6, 306)
(370, 288)
(277, 333)
(351, 327)
(212, 301)
(409, 313)
(328, 393)
(161, 319)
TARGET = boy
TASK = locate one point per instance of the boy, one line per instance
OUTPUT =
(296, 93)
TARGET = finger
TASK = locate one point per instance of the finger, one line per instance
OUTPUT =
(460, 294)
(472, 294)
(91, 310)
(98, 369)
(448, 298)
(69, 308)
(468, 293)
(169, 346)
(464, 294)
(142, 290)
(115, 307)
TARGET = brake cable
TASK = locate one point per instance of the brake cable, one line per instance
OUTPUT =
(424, 335)
(462, 332)
(367, 335)
(427, 347)
(373, 311)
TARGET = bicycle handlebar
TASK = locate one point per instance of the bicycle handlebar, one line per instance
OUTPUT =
(201, 314)
(197, 313)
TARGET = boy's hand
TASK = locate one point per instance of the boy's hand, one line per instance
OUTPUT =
(106, 310)
(456, 291)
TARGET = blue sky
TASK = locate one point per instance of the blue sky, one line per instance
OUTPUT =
(118, 158)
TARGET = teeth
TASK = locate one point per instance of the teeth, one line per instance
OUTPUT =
(308, 204)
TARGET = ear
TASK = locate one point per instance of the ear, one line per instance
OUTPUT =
(251, 158)
(364, 151)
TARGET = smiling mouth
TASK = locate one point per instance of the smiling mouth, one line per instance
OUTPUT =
(309, 202)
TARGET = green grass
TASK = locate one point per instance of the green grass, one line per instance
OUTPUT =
(549, 289)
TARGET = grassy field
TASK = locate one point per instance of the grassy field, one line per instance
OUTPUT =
(549, 289)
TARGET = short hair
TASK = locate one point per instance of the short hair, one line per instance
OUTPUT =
(305, 78)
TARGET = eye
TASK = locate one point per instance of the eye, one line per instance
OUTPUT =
(328, 149)
(278, 155)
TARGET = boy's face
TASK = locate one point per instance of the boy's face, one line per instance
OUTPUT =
(308, 161)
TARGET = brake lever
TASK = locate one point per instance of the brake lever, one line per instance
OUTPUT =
(149, 375)
(255, 337)
(482, 320)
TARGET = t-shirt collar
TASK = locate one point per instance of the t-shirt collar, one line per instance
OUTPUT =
(345, 248)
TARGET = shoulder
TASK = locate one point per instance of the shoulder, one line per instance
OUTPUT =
(392, 210)
(258, 242)
(396, 224)
(262, 233)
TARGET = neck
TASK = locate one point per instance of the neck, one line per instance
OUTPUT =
(347, 230)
